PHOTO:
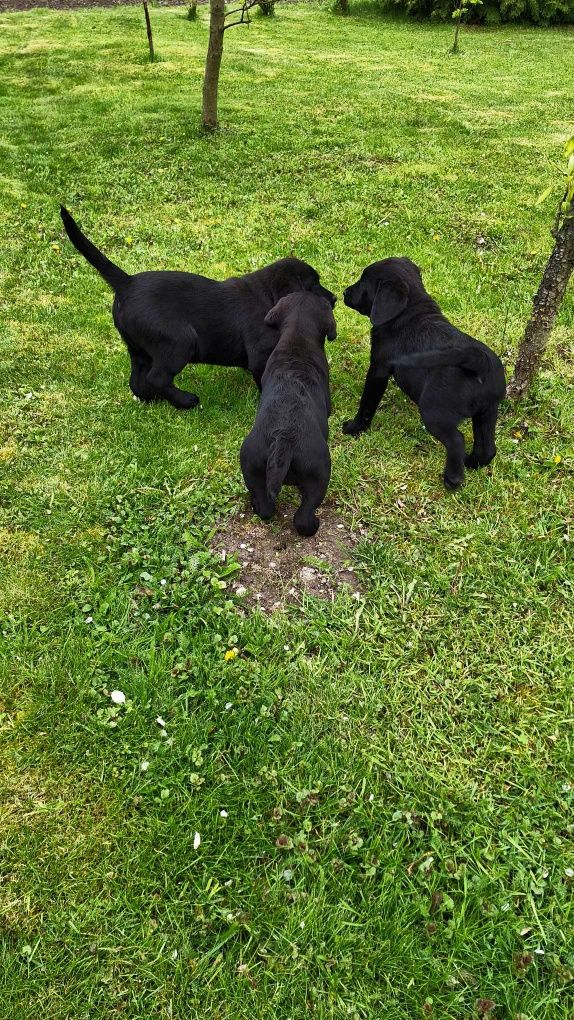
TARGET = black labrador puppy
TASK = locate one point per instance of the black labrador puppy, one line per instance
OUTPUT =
(449, 375)
(288, 442)
(169, 319)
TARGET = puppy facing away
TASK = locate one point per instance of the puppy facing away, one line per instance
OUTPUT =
(171, 319)
(288, 442)
(449, 375)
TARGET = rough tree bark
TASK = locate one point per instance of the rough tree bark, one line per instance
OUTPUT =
(213, 64)
(148, 29)
(545, 308)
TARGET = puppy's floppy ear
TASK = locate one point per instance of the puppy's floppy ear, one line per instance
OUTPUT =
(273, 316)
(390, 300)
(331, 327)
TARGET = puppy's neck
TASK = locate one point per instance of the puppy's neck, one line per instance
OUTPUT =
(421, 303)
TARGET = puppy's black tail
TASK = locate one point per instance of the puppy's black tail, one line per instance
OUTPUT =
(278, 464)
(471, 359)
(111, 273)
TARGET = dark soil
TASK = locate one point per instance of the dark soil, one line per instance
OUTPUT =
(278, 566)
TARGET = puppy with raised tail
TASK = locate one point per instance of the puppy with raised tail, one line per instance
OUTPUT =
(449, 375)
(169, 320)
(288, 443)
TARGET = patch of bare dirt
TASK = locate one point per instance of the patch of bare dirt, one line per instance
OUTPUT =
(278, 566)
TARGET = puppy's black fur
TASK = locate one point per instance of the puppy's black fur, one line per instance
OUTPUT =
(170, 319)
(288, 442)
(449, 375)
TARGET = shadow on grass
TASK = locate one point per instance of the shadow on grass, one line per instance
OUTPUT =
(381, 10)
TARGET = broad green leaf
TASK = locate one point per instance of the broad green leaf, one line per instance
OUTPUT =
(542, 198)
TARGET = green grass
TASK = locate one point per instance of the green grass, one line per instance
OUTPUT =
(398, 773)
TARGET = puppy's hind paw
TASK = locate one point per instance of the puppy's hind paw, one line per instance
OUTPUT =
(352, 427)
(307, 528)
(452, 484)
(153, 399)
(187, 401)
(471, 461)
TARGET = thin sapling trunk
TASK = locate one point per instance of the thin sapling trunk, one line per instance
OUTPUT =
(213, 65)
(149, 31)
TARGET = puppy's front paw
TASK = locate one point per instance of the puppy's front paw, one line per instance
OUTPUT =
(263, 509)
(353, 427)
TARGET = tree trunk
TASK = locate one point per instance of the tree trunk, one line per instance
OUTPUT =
(342, 6)
(454, 48)
(148, 29)
(213, 64)
(545, 308)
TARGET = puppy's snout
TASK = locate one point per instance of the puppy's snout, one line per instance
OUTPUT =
(347, 295)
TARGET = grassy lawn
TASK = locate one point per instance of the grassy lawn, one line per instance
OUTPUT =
(396, 771)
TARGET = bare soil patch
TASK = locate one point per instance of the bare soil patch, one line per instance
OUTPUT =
(278, 566)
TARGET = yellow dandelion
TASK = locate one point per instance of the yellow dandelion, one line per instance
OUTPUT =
(230, 654)
(557, 458)
(129, 240)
